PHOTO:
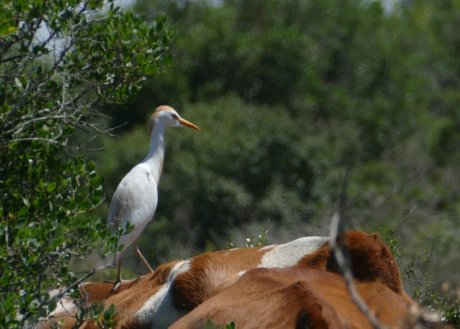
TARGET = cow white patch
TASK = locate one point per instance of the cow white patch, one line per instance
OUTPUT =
(265, 248)
(159, 311)
(64, 304)
(230, 251)
(288, 254)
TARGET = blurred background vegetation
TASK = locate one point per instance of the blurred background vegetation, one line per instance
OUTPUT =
(289, 95)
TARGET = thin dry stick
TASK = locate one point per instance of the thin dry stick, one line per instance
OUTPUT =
(61, 293)
(336, 231)
(348, 275)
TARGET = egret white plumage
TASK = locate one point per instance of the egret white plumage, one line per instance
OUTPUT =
(136, 197)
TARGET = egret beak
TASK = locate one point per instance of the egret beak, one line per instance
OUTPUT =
(188, 124)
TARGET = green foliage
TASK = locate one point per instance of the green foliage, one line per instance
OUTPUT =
(60, 61)
(348, 61)
(105, 319)
(289, 95)
(230, 325)
(249, 176)
(441, 298)
(445, 302)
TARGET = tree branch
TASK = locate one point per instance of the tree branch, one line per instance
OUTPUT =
(336, 231)
(61, 294)
(345, 270)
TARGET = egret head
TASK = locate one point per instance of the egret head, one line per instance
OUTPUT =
(170, 118)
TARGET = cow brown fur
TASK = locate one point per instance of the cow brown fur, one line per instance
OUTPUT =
(299, 297)
(210, 275)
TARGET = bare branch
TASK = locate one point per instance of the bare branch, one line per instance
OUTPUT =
(61, 294)
(21, 126)
(345, 270)
(34, 85)
(336, 231)
(34, 139)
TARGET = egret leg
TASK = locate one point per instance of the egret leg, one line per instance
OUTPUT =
(142, 257)
(118, 279)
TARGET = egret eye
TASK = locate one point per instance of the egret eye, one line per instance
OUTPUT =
(175, 116)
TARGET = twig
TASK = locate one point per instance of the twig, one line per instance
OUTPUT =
(17, 129)
(33, 139)
(336, 231)
(345, 270)
(61, 293)
(35, 84)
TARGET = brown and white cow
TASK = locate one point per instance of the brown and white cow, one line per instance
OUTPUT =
(159, 299)
(296, 297)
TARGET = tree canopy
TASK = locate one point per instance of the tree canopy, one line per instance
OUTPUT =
(60, 63)
(290, 96)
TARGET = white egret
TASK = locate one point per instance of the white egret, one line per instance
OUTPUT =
(136, 197)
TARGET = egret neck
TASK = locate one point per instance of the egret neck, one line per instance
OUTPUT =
(155, 156)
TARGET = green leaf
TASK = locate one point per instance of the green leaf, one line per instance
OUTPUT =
(51, 187)
(230, 325)
(18, 83)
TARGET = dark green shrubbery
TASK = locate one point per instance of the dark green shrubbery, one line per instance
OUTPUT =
(59, 62)
(289, 96)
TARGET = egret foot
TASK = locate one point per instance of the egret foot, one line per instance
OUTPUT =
(118, 280)
(115, 287)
